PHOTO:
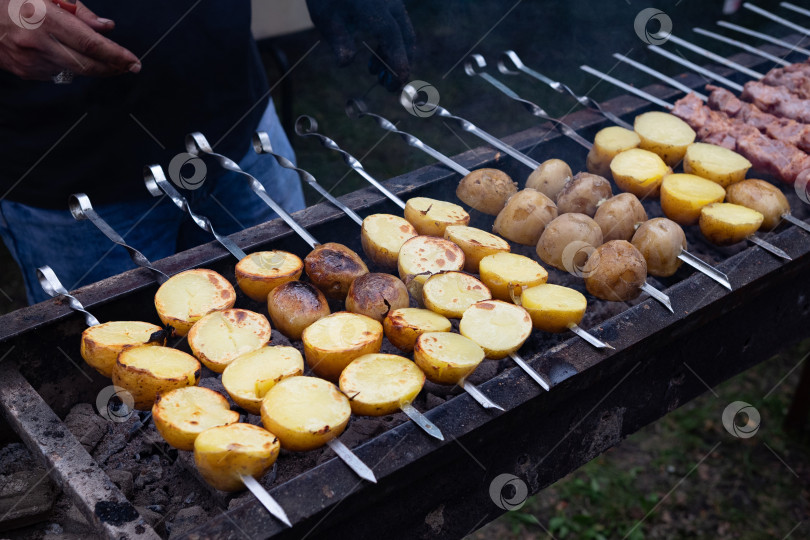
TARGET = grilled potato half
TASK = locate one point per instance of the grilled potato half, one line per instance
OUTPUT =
(507, 274)
(188, 296)
(334, 341)
(607, 143)
(554, 308)
(763, 197)
(475, 243)
(224, 454)
(374, 295)
(451, 293)
(261, 272)
(379, 384)
(382, 236)
(498, 327)
(332, 267)
(715, 163)
(146, 371)
(431, 217)
(446, 358)
(403, 326)
(101, 344)
(486, 190)
(724, 224)
(248, 378)
(295, 305)
(423, 256)
(219, 337)
(665, 134)
(305, 412)
(684, 195)
(180, 415)
(639, 172)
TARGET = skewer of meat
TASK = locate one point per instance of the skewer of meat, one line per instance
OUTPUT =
(777, 100)
(795, 77)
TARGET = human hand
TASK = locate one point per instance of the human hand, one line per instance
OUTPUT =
(40, 39)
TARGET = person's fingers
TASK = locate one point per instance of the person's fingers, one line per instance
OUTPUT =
(79, 37)
(99, 24)
(337, 34)
(66, 58)
(400, 15)
(392, 46)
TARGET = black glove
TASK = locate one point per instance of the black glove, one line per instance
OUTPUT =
(344, 22)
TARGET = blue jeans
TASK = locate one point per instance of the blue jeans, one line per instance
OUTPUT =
(80, 254)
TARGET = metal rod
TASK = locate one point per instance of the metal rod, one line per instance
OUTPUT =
(478, 396)
(770, 248)
(705, 268)
(356, 108)
(624, 86)
(266, 499)
(157, 185)
(657, 295)
(530, 371)
(557, 86)
(473, 66)
(763, 37)
(716, 57)
(422, 421)
(261, 144)
(196, 143)
(361, 469)
(660, 76)
(81, 209)
(696, 68)
(797, 9)
(784, 22)
(54, 288)
(741, 45)
(590, 338)
(796, 221)
(306, 126)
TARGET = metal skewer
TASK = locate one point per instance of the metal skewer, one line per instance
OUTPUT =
(763, 37)
(741, 45)
(531, 371)
(590, 338)
(355, 463)
(478, 396)
(557, 86)
(784, 22)
(624, 86)
(696, 68)
(660, 76)
(716, 57)
(705, 268)
(475, 62)
(797, 9)
(265, 498)
(657, 295)
(767, 246)
(81, 209)
(796, 221)
(421, 420)
(54, 288)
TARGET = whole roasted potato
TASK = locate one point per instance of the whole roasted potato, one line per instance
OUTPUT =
(374, 295)
(550, 177)
(486, 190)
(660, 241)
(761, 196)
(583, 194)
(525, 216)
(562, 243)
(295, 305)
(332, 267)
(615, 271)
(619, 216)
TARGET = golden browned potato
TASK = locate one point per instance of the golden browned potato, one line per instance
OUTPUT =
(451, 293)
(525, 216)
(423, 256)
(181, 414)
(374, 295)
(332, 267)
(261, 272)
(225, 454)
(715, 163)
(486, 190)
(334, 341)
(724, 224)
(380, 384)
(660, 241)
(507, 274)
(500, 328)
(305, 412)
(607, 143)
(248, 378)
(188, 296)
(102, 343)
(616, 271)
(219, 337)
(554, 308)
(294, 306)
(446, 358)
(583, 194)
(665, 134)
(761, 196)
(431, 217)
(382, 236)
(683, 196)
(550, 177)
(639, 172)
(619, 216)
(146, 371)
(562, 243)
(403, 326)
(475, 243)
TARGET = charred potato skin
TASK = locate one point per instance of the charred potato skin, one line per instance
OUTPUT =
(332, 267)
(660, 241)
(615, 271)
(550, 177)
(525, 216)
(374, 295)
(564, 231)
(295, 305)
(761, 196)
(619, 216)
(486, 190)
(583, 194)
